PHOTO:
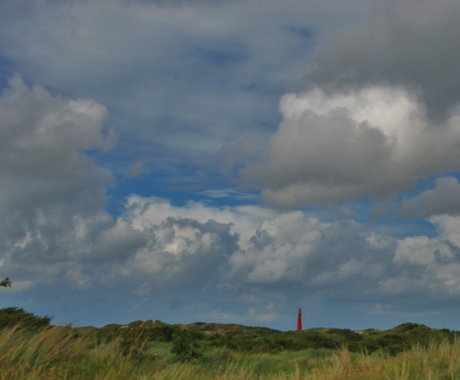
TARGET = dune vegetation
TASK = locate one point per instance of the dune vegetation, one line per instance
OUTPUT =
(32, 348)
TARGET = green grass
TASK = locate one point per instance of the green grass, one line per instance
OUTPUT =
(64, 353)
(143, 350)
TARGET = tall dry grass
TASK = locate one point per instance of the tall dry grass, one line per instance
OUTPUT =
(58, 353)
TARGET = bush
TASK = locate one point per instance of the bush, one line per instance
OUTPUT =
(186, 347)
(347, 334)
(317, 339)
(393, 343)
(405, 327)
(11, 316)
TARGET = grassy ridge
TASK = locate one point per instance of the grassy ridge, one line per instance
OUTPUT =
(142, 350)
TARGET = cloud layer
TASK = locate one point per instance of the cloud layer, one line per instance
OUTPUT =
(55, 231)
(193, 86)
(187, 75)
(403, 43)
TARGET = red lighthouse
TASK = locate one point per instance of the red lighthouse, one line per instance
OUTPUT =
(299, 320)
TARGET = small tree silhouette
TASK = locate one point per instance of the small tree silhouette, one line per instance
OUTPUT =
(6, 283)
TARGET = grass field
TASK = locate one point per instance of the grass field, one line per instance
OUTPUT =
(127, 352)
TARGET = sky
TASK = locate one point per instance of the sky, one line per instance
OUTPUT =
(231, 161)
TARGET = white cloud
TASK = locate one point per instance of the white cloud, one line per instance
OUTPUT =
(341, 147)
(244, 219)
(346, 261)
(291, 249)
(430, 266)
(170, 259)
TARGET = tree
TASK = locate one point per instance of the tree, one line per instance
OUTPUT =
(6, 283)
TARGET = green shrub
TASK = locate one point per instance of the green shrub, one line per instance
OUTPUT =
(317, 339)
(393, 343)
(405, 327)
(11, 316)
(186, 347)
(347, 334)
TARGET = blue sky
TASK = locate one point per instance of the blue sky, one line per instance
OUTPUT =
(229, 161)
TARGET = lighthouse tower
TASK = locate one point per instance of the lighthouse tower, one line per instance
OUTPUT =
(299, 320)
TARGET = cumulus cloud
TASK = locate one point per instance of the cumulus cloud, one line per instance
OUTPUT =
(54, 228)
(297, 251)
(244, 220)
(52, 193)
(246, 257)
(41, 135)
(183, 252)
(340, 147)
(346, 261)
(432, 265)
(407, 43)
(284, 254)
(163, 246)
(443, 199)
(177, 252)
